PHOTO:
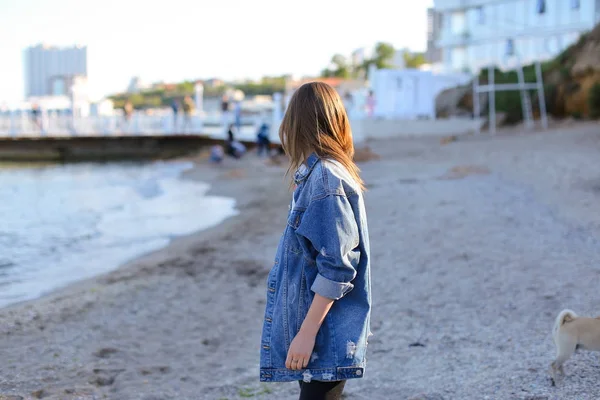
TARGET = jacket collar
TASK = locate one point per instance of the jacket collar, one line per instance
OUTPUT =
(305, 169)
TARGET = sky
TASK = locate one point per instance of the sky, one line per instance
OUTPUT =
(193, 39)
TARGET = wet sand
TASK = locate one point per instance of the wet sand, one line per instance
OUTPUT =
(476, 246)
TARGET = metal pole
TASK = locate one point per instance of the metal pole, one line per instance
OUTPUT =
(43, 121)
(277, 109)
(476, 106)
(199, 88)
(13, 123)
(492, 100)
(73, 109)
(23, 122)
(541, 96)
(525, 102)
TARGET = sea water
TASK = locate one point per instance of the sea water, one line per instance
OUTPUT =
(63, 223)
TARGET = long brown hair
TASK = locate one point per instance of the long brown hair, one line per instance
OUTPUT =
(316, 120)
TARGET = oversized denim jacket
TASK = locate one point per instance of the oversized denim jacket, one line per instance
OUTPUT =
(324, 249)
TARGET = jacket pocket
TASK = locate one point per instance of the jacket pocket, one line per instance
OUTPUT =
(293, 241)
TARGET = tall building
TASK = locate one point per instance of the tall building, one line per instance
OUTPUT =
(136, 85)
(52, 71)
(479, 33)
(433, 54)
(360, 55)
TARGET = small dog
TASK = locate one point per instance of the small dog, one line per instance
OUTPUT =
(570, 333)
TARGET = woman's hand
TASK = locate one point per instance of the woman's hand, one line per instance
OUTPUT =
(300, 350)
(303, 344)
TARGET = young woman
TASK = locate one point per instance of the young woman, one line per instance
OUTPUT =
(316, 322)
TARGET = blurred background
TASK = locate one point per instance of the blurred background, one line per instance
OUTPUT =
(129, 128)
(79, 67)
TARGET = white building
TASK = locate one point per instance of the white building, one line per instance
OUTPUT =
(52, 71)
(478, 33)
(409, 94)
(433, 54)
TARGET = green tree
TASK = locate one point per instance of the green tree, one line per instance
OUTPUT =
(137, 100)
(382, 58)
(326, 73)
(384, 54)
(274, 81)
(414, 60)
(185, 88)
(339, 68)
(266, 86)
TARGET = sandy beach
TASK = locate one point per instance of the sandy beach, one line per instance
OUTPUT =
(476, 246)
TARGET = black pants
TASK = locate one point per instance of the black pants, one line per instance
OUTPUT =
(317, 390)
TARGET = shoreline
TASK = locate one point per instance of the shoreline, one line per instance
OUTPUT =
(211, 171)
(51, 312)
(476, 246)
(134, 209)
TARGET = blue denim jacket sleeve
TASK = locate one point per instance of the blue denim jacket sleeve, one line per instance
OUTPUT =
(330, 226)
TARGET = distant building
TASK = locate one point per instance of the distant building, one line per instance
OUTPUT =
(433, 54)
(360, 55)
(214, 83)
(479, 33)
(136, 85)
(357, 57)
(52, 71)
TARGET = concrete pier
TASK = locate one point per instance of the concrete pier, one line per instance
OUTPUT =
(103, 148)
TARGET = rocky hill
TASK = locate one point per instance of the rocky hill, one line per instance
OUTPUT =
(572, 77)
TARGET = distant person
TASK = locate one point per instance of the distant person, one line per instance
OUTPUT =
(127, 114)
(188, 109)
(217, 154)
(280, 151)
(348, 102)
(36, 116)
(225, 103)
(175, 106)
(370, 106)
(238, 149)
(234, 148)
(230, 134)
(237, 112)
(225, 110)
(277, 155)
(128, 110)
(263, 142)
(317, 313)
(4, 112)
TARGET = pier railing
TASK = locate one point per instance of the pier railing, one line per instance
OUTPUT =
(20, 124)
